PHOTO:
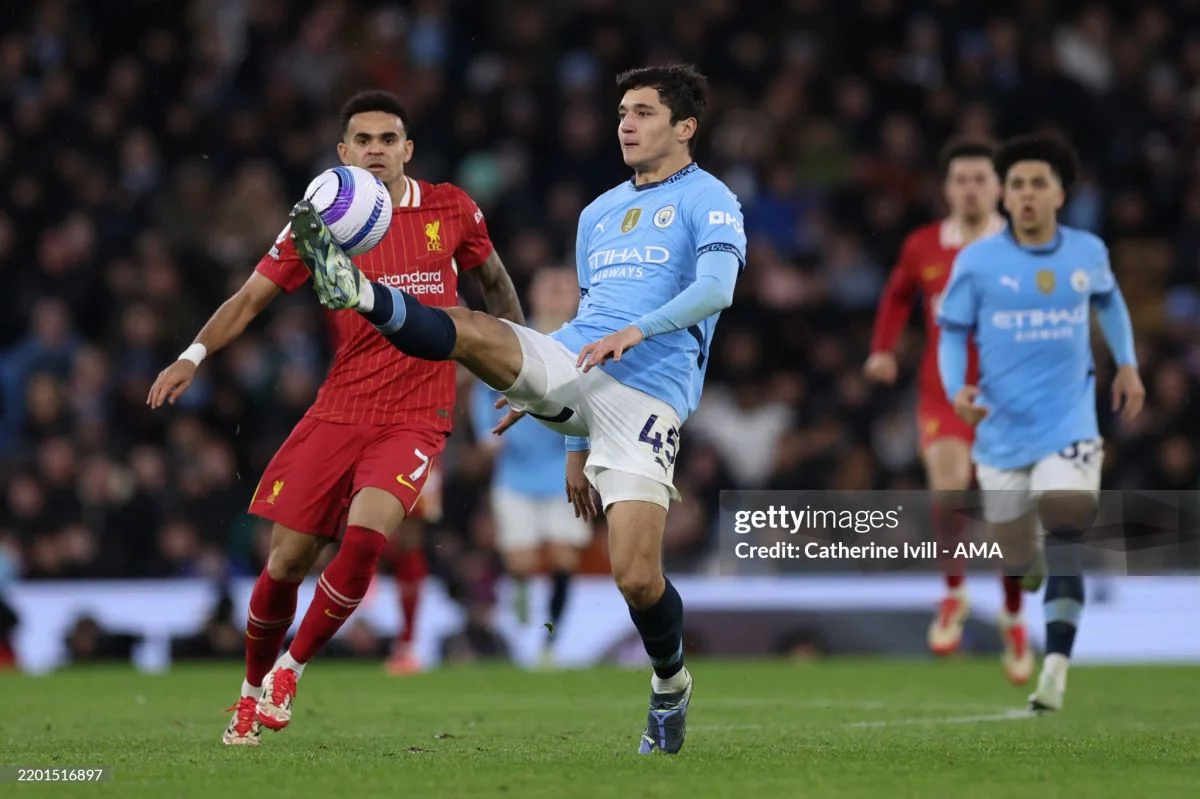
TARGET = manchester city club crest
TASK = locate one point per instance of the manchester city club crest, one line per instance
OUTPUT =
(664, 217)
(631, 219)
(1045, 281)
(1080, 281)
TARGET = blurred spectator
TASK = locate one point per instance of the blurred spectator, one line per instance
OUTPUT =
(190, 132)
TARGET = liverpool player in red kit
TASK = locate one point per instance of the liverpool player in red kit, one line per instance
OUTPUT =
(972, 191)
(363, 451)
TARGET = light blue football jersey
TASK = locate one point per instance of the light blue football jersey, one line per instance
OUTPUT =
(1029, 310)
(636, 250)
(532, 460)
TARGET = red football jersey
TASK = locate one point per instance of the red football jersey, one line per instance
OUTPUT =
(925, 262)
(436, 231)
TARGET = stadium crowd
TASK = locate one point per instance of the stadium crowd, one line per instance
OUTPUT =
(150, 151)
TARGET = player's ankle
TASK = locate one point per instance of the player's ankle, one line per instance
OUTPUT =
(288, 661)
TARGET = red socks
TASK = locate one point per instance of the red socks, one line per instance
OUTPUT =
(947, 530)
(411, 571)
(272, 608)
(340, 588)
(1012, 594)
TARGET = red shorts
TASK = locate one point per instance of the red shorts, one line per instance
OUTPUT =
(936, 419)
(309, 483)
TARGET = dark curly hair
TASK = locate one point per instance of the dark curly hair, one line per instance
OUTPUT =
(1055, 152)
(373, 100)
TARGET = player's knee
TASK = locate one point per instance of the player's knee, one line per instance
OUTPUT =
(288, 566)
(292, 554)
(640, 583)
(1066, 514)
(521, 563)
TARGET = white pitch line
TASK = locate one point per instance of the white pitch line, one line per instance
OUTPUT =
(1008, 715)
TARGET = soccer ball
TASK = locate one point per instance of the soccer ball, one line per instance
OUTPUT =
(354, 204)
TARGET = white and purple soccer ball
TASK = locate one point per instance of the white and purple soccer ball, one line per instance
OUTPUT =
(354, 204)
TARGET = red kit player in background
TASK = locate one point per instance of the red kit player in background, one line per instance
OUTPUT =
(972, 190)
(364, 450)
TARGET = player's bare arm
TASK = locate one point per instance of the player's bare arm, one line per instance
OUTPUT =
(498, 290)
(1128, 393)
(225, 325)
(579, 490)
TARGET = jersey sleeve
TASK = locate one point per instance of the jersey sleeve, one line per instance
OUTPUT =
(1101, 280)
(896, 302)
(581, 252)
(476, 244)
(717, 222)
(281, 265)
(959, 307)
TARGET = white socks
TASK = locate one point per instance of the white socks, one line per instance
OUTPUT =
(252, 691)
(286, 661)
(366, 300)
(671, 685)
(1055, 667)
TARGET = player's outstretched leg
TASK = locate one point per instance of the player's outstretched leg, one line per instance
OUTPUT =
(635, 549)
(485, 345)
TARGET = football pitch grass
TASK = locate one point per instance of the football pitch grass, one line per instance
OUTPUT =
(756, 729)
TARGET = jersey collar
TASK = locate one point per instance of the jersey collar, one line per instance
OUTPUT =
(951, 237)
(1049, 248)
(412, 194)
(680, 175)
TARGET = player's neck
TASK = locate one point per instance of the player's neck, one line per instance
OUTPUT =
(656, 173)
(1035, 237)
(973, 229)
(398, 190)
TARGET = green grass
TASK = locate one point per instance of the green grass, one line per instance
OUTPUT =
(757, 729)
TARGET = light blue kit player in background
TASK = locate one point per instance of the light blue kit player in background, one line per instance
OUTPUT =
(1027, 295)
(531, 516)
(658, 257)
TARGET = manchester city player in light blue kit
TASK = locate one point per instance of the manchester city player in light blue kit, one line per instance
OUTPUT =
(528, 475)
(1026, 296)
(657, 257)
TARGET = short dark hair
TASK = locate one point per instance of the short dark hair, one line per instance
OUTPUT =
(965, 147)
(681, 88)
(373, 100)
(1050, 150)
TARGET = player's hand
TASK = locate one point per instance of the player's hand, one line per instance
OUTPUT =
(611, 346)
(881, 367)
(579, 490)
(1128, 393)
(171, 383)
(511, 418)
(965, 407)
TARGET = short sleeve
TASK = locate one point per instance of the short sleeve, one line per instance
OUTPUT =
(281, 265)
(476, 244)
(959, 306)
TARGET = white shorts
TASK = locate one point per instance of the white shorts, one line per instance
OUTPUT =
(630, 431)
(1009, 494)
(525, 522)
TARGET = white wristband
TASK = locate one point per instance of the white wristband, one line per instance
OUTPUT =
(195, 353)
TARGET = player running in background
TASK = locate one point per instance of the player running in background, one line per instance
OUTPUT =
(657, 257)
(971, 190)
(1026, 296)
(362, 452)
(530, 470)
(409, 567)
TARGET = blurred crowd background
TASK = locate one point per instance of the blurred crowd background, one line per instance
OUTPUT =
(149, 153)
